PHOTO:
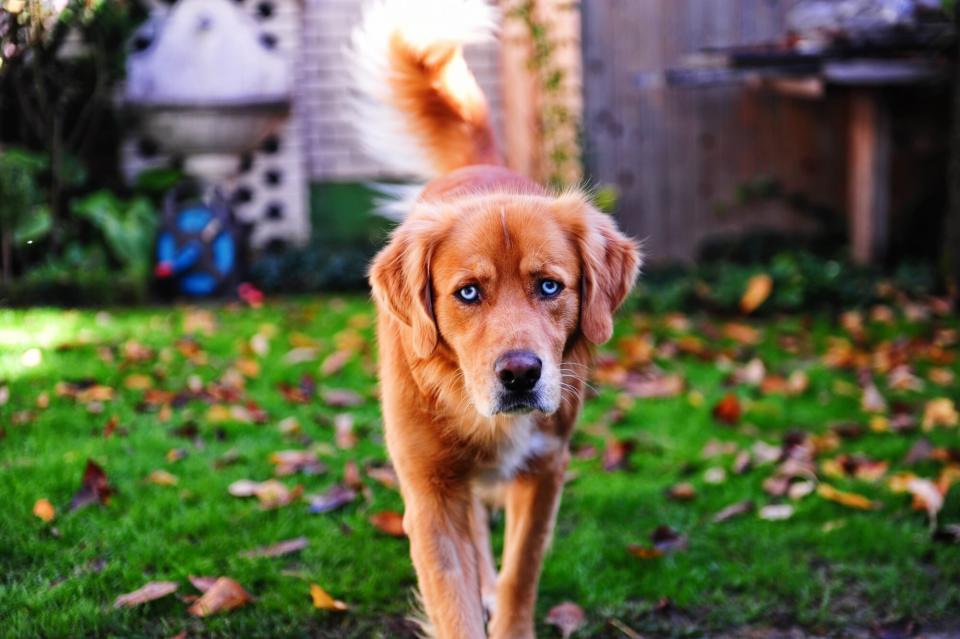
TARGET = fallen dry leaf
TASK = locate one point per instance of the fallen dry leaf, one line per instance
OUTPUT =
(334, 362)
(343, 431)
(94, 489)
(225, 594)
(384, 475)
(682, 492)
(270, 493)
(162, 478)
(758, 290)
(289, 462)
(776, 512)
(341, 398)
(324, 601)
(941, 376)
(149, 592)
(616, 454)
(733, 510)
(138, 381)
(727, 410)
(567, 617)
(44, 510)
(872, 401)
(926, 497)
(279, 549)
(667, 540)
(337, 496)
(389, 522)
(850, 500)
(939, 412)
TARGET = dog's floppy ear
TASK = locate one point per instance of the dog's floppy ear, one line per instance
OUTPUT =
(609, 262)
(400, 279)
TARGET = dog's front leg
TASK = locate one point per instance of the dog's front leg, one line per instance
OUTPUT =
(441, 545)
(532, 499)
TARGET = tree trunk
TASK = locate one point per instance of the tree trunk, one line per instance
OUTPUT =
(951, 235)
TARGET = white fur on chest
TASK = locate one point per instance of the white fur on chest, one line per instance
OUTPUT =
(525, 442)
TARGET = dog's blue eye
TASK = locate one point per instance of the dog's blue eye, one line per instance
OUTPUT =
(469, 294)
(550, 288)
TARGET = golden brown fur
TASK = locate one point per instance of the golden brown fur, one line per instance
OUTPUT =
(453, 425)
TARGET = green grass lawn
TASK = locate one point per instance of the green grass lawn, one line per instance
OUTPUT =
(828, 568)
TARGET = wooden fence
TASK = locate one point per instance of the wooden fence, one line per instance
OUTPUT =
(683, 158)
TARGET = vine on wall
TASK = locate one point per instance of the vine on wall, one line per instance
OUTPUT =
(559, 125)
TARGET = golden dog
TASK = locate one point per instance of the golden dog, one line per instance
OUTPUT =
(489, 296)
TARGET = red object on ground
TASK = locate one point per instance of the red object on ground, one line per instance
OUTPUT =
(250, 294)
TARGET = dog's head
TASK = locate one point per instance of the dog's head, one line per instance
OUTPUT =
(504, 285)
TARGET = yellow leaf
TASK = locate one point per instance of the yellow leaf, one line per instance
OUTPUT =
(323, 601)
(219, 413)
(879, 424)
(248, 367)
(758, 290)
(162, 478)
(939, 412)
(850, 500)
(138, 381)
(44, 510)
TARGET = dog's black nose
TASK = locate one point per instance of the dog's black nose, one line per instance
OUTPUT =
(518, 371)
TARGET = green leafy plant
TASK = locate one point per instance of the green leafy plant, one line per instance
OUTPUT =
(127, 228)
(23, 218)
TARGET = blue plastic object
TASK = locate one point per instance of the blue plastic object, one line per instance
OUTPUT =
(197, 248)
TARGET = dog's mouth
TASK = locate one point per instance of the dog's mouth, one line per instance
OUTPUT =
(520, 403)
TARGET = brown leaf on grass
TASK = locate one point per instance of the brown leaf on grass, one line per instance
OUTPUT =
(341, 398)
(850, 500)
(567, 617)
(162, 478)
(653, 386)
(643, 552)
(776, 512)
(921, 451)
(616, 454)
(941, 376)
(667, 540)
(149, 592)
(854, 466)
(279, 549)
(727, 410)
(682, 492)
(872, 401)
(94, 489)
(741, 333)
(733, 510)
(323, 601)
(927, 497)
(343, 431)
(384, 475)
(336, 497)
(289, 462)
(44, 510)
(334, 362)
(270, 493)
(300, 355)
(758, 290)
(351, 476)
(138, 381)
(389, 522)
(203, 584)
(225, 594)
(939, 412)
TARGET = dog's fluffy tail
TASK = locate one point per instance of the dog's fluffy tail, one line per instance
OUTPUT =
(417, 107)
